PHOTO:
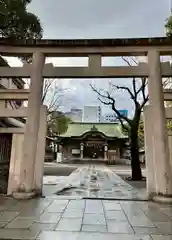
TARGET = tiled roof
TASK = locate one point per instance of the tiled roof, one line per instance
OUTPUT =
(108, 129)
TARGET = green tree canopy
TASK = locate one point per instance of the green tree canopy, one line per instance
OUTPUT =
(16, 22)
(168, 27)
(58, 124)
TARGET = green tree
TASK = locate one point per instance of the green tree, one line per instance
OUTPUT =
(58, 124)
(16, 22)
(168, 27)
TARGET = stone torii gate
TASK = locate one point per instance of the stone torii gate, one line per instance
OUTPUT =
(94, 50)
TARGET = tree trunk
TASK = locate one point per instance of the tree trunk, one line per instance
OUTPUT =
(135, 161)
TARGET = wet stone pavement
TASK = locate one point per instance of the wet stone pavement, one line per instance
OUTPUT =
(63, 219)
(93, 182)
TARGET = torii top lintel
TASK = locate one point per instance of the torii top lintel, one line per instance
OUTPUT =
(138, 46)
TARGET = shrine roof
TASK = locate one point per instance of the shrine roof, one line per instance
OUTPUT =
(112, 130)
(88, 42)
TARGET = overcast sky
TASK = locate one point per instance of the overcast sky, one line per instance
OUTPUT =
(99, 19)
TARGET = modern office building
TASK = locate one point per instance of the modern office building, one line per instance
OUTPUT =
(109, 118)
(112, 117)
(92, 114)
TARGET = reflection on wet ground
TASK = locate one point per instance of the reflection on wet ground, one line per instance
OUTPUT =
(94, 182)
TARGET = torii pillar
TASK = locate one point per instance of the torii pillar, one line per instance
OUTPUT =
(160, 135)
(26, 186)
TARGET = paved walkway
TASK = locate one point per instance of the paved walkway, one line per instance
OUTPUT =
(47, 219)
(93, 182)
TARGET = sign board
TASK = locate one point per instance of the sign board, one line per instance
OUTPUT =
(75, 151)
(124, 112)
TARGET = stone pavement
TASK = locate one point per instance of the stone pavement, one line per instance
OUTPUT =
(62, 219)
(93, 182)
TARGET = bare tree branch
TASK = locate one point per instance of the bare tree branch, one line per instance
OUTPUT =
(110, 101)
(52, 95)
(144, 101)
(124, 88)
(134, 89)
(137, 90)
(136, 62)
(47, 85)
(167, 83)
(55, 103)
(143, 88)
(114, 109)
(128, 62)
